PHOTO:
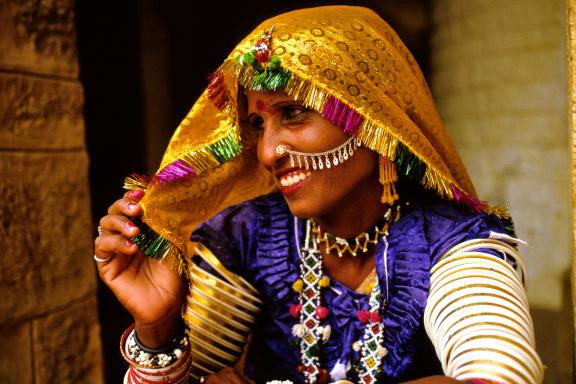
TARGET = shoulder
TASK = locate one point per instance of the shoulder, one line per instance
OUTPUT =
(234, 233)
(246, 213)
(445, 224)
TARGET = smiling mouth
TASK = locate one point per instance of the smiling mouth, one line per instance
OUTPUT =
(291, 178)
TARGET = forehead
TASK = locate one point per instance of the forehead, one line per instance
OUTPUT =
(261, 99)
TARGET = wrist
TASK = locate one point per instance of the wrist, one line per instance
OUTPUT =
(160, 334)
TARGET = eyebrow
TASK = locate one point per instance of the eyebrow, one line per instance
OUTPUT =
(280, 104)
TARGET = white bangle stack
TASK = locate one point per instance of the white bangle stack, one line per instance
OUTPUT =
(477, 314)
(170, 366)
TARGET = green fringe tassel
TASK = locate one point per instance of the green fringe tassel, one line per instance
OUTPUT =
(152, 244)
(226, 148)
(408, 164)
(508, 226)
(271, 80)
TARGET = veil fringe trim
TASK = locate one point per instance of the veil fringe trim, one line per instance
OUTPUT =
(227, 144)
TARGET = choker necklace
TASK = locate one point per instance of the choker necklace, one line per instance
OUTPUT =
(354, 245)
(319, 160)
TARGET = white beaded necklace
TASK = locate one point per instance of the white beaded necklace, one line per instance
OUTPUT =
(310, 312)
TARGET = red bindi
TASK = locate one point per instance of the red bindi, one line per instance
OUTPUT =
(261, 106)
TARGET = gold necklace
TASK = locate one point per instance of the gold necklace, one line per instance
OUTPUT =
(355, 245)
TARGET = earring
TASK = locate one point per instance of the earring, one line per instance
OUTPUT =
(319, 160)
(388, 179)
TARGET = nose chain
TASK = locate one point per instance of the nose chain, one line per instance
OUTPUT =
(319, 160)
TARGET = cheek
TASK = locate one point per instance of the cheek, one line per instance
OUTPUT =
(261, 152)
(363, 165)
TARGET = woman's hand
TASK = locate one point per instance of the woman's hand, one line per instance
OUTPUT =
(227, 376)
(151, 291)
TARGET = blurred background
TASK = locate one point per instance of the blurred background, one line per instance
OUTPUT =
(90, 91)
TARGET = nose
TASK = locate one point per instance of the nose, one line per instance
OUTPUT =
(268, 140)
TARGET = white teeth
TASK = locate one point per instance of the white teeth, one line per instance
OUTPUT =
(292, 179)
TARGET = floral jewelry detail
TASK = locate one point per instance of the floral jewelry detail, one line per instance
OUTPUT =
(319, 160)
(268, 72)
(355, 245)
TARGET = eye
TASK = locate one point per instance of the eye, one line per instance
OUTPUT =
(256, 122)
(295, 113)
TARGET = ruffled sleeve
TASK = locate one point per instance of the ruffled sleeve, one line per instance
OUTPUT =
(256, 240)
(230, 235)
(416, 242)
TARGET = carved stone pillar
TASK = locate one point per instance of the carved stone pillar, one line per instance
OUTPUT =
(48, 319)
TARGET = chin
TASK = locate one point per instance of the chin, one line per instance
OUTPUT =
(302, 210)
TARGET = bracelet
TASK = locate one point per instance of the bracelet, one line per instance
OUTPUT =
(279, 382)
(136, 354)
(173, 345)
(477, 316)
(170, 365)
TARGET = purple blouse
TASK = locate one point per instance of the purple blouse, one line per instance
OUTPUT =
(256, 239)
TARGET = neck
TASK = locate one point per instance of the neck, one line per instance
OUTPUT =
(362, 210)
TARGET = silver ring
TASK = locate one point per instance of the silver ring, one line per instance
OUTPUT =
(100, 260)
(99, 231)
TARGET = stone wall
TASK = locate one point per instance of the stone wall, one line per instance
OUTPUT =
(499, 77)
(49, 328)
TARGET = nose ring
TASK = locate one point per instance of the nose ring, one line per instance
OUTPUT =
(319, 160)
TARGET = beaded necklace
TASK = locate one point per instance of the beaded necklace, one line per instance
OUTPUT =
(310, 312)
(342, 246)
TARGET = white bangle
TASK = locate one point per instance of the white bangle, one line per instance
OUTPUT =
(477, 314)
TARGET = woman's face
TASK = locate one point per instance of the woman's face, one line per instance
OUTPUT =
(280, 120)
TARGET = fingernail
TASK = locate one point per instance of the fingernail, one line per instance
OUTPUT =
(137, 193)
(132, 205)
(130, 225)
(130, 243)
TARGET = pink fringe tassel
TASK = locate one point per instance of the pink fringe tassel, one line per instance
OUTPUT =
(342, 116)
(461, 197)
(175, 171)
(217, 91)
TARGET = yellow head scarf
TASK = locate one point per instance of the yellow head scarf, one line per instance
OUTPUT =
(343, 61)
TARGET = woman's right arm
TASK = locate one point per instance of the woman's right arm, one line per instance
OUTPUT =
(151, 291)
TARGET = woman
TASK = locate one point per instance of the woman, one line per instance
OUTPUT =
(336, 236)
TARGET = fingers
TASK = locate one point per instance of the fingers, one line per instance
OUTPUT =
(118, 225)
(119, 214)
(110, 245)
(128, 204)
(116, 229)
(136, 194)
